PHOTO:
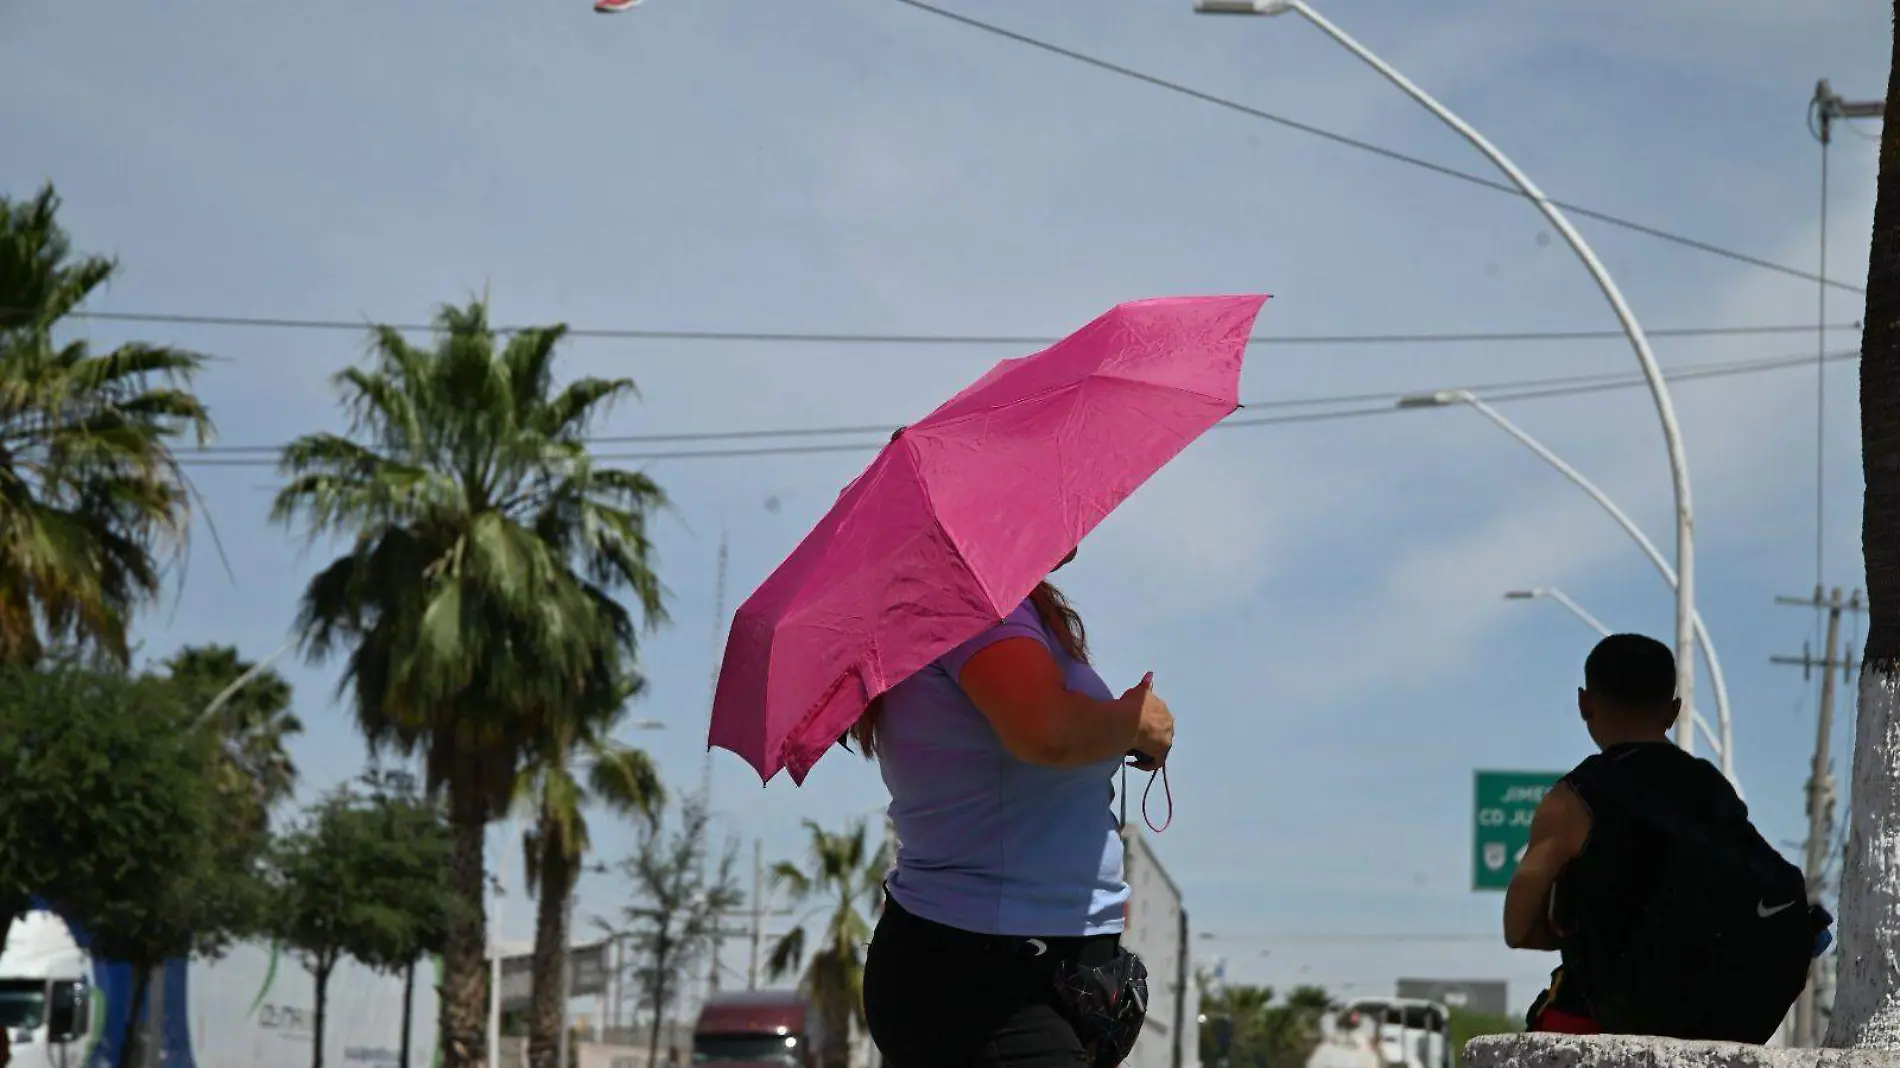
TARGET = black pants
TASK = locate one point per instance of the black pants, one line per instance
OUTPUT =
(937, 997)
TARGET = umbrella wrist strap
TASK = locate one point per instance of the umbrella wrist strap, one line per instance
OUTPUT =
(1167, 793)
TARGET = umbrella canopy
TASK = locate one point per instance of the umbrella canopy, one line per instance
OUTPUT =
(963, 513)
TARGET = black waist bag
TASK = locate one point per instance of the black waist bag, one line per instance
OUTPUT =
(1721, 948)
(1105, 1004)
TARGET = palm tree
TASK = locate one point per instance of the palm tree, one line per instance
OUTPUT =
(476, 600)
(92, 502)
(1867, 1005)
(1234, 1019)
(845, 881)
(256, 721)
(578, 764)
(1248, 1030)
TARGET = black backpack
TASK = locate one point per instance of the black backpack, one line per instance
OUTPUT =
(1722, 947)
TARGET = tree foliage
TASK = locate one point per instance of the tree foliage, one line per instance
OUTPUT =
(476, 599)
(92, 501)
(255, 719)
(674, 917)
(363, 876)
(844, 882)
(575, 764)
(1247, 1028)
(111, 816)
(254, 773)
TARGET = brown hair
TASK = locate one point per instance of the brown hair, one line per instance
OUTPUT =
(1057, 614)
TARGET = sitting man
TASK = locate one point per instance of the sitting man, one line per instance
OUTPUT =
(1674, 917)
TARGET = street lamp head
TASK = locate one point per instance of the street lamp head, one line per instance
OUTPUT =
(1242, 7)
(1443, 398)
(649, 725)
(1523, 595)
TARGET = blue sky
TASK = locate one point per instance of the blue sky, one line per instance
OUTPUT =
(1319, 602)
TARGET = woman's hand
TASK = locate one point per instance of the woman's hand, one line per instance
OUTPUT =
(1154, 725)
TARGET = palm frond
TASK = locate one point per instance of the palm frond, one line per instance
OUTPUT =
(627, 781)
(787, 954)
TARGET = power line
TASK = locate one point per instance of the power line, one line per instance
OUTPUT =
(854, 338)
(1522, 389)
(1367, 146)
(1616, 379)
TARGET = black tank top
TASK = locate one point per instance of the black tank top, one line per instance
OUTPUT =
(1602, 892)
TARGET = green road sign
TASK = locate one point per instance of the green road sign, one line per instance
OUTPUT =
(1501, 822)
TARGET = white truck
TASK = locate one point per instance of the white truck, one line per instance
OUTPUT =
(254, 1007)
(1158, 932)
(1385, 1033)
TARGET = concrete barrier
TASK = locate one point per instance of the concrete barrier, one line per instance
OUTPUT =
(1629, 1051)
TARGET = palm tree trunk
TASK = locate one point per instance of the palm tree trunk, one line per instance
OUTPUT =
(548, 1011)
(464, 1031)
(408, 1012)
(1867, 1007)
(837, 1052)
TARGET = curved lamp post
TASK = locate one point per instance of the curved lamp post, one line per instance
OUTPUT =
(1552, 593)
(1665, 408)
(1449, 397)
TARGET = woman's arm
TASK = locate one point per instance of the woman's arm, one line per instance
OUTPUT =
(1018, 687)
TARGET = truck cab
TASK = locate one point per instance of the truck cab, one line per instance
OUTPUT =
(1385, 1033)
(45, 994)
(763, 1028)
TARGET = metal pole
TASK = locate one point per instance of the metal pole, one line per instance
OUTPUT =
(1665, 407)
(758, 911)
(1716, 679)
(1553, 594)
(156, 992)
(1820, 808)
(1576, 609)
(494, 950)
(237, 684)
(616, 986)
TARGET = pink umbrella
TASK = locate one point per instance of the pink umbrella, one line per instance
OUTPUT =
(963, 513)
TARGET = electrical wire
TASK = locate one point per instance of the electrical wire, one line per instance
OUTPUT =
(1523, 389)
(850, 338)
(1616, 379)
(1367, 146)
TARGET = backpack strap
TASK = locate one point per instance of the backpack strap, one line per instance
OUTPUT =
(1636, 799)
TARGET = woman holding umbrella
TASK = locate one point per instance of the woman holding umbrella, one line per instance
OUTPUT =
(999, 757)
(918, 616)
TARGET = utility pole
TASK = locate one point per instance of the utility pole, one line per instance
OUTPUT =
(1821, 790)
(1826, 108)
(705, 767)
(758, 911)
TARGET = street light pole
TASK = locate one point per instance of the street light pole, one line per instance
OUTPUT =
(239, 683)
(1551, 593)
(494, 944)
(1447, 398)
(1652, 373)
(155, 995)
